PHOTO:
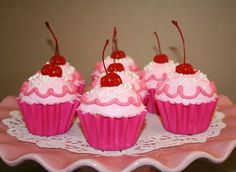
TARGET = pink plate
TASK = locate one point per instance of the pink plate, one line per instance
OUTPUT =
(216, 149)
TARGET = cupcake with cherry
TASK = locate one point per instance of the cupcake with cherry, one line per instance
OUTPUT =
(118, 55)
(69, 71)
(48, 100)
(111, 114)
(153, 75)
(187, 99)
(127, 77)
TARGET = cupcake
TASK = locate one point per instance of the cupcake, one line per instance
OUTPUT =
(48, 102)
(68, 70)
(111, 114)
(186, 100)
(153, 75)
(119, 56)
(49, 98)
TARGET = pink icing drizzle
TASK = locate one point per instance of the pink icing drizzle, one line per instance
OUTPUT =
(50, 91)
(180, 91)
(131, 101)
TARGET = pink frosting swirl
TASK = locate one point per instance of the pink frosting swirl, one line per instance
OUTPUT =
(187, 89)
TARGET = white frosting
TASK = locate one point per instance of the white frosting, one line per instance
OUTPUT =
(67, 71)
(106, 94)
(190, 84)
(157, 70)
(43, 83)
(126, 77)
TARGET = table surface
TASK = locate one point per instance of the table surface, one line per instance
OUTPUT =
(217, 149)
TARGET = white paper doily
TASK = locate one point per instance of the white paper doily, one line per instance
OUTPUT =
(153, 136)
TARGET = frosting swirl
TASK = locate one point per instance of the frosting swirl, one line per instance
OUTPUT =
(120, 101)
(44, 89)
(187, 89)
(156, 72)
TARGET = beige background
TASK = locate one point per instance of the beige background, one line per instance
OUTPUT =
(83, 25)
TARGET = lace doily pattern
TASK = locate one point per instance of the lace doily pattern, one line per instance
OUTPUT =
(153, 136)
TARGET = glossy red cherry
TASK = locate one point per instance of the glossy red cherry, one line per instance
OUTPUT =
(160, 58)
(116, 54)
(57, 59)
(115, 67)
(111, 79)
(184, 68)
(51, 70)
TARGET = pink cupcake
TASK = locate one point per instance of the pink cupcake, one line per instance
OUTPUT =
(68, 70)
(49, 98)
(153, 75)
(117, 55)
(111, 114)
(186, 100)
(48, 104)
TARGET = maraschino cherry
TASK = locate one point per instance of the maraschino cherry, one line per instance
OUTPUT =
(111, 79)
(51, 70)
(184, 68)
(160, 58)
(57, 59)
(116, 54)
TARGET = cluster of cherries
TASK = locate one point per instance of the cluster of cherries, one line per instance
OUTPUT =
(53, 69)
(112, 79)
(184, 68)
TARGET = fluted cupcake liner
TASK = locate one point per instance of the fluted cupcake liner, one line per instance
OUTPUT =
(149, 101)
(111, 134)
(48, 120)
(186, 119)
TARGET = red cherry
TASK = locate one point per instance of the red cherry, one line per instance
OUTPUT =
(111, 79)
(115, 67)
(160, 58)
(184, 68)
(116, 54)
(56, 59)
(51, 70)
(46, 69)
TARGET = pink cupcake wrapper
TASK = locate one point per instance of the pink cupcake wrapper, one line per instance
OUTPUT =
(149, 101)
(182, 119)
(112, 134)
(48, 120)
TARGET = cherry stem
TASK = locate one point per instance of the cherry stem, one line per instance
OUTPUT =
(114, 40)
(181, 34)
(103, 52)
(55, 38)
(158, 42)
